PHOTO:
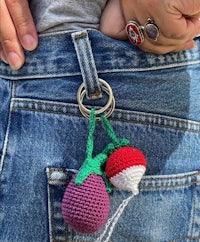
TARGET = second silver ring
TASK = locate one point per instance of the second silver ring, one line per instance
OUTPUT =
(135, 31)
(107, 109)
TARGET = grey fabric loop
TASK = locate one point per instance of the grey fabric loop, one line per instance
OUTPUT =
(87, 64)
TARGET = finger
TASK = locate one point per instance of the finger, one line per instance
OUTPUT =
(8, 39)
(193, 25)
(165, 41)
(181, 35)
(147, 46)
(20, 13)
(3, 55)
(191, 30)
(183, 29)
(164, 44)
(175, 31)
(185, 7)
(184, 18)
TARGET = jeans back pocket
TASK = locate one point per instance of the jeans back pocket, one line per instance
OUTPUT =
(167, 209)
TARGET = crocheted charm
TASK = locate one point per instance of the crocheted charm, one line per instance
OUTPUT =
(86, 204)
(86, 207)
(125, 168)
(126, 165)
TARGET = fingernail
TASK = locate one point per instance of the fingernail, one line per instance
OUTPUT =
(14, 60)
(3, 57)
(29, 43)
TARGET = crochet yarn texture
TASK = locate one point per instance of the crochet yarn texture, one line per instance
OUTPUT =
(125, 168)
(86, 205)
(85, 208)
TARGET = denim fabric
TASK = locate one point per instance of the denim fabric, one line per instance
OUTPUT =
(43, 139)
(87, 65)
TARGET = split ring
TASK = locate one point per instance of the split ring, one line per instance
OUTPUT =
(107, 109)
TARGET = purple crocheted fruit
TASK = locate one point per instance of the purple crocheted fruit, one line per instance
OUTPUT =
(85, 207)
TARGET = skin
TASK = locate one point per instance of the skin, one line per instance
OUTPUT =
(178, 21)
(17, 32)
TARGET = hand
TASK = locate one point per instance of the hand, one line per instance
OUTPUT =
(112, 22)
(178, 21)
(17, 32)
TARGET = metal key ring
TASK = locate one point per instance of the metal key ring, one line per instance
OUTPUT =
(107, 109)
(107, 113)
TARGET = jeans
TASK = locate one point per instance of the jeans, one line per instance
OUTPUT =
(43, 139)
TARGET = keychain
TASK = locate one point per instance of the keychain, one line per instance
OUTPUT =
(86, 203)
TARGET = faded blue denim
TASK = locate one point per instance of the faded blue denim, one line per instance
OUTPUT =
(43, 137)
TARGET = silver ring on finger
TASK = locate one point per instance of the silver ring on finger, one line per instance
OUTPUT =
(137, 32)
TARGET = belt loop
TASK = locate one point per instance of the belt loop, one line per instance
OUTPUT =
(87, 64)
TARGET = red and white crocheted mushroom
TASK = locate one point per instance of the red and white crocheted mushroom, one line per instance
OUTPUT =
(125, 168)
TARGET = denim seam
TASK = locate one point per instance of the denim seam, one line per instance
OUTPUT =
(191, 227)
(151, 179)
(51, 209)
(6, 140)
(157, 124)
(187, 180)
(175, 176)
(53, 225)
(49, 213)
(185, 238)
(51, 103)
(144, 188)
(114, 70)
(122, 120)
(39, 76)
(148, 117)
(52, 212)
(15, 84)
(194, 220)
(48, 111)
(194, 210)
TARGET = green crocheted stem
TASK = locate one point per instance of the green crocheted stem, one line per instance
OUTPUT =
(116, 142)
(91, 165)
(111, 147)
(90, 141)
(94, 165)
